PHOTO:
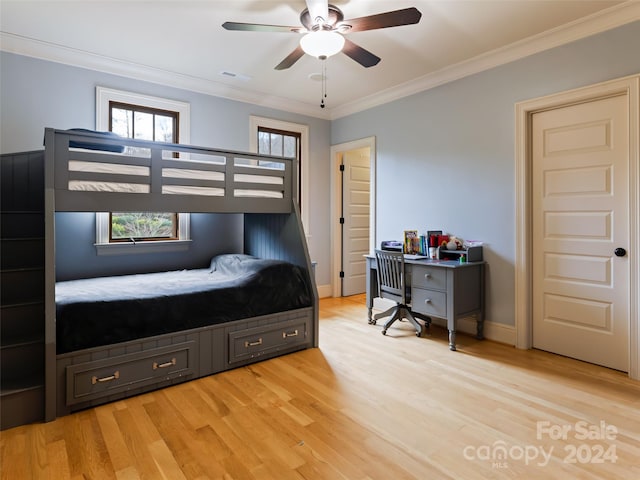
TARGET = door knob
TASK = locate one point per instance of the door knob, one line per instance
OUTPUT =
(620, 252)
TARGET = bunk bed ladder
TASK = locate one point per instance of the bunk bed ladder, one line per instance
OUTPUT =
(22, 303)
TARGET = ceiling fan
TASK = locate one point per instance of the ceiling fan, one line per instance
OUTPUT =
(323, 26)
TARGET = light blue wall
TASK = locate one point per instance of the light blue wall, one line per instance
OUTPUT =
(445, 157)
(35, 94)
(211, 234)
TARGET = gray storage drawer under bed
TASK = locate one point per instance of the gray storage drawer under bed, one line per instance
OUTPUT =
(268, 339)
(95, 379)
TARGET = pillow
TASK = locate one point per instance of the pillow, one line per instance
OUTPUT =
(89, 145)
(229, 261)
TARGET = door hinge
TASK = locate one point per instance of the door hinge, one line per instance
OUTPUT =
(341, 220)
(342, 167)
(341, 274)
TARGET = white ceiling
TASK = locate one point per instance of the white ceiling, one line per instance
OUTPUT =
(181, 43)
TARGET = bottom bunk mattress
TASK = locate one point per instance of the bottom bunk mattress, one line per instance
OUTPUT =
(107, 310)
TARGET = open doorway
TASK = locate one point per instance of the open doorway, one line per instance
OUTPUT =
(352, 214)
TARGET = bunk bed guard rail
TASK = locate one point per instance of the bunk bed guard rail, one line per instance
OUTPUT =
(92, 171)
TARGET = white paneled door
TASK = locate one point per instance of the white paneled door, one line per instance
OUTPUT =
(580, 198)
(355, 204)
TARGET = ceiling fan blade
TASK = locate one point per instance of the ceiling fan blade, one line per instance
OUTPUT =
(292, 58)
(318, 8)
(257, 27)
(396, 18)
(359, 54)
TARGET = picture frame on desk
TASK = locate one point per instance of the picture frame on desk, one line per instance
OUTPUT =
(411, 242)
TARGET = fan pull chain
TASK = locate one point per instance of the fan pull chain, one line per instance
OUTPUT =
(324, 83)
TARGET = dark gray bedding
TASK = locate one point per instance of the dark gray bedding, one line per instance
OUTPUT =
(107, 310)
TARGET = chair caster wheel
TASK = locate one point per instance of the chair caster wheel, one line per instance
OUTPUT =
(384, 332)
(372, 322)
(418, 334)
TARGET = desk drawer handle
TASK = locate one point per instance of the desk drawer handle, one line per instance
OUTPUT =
(427, 276)
(292, 334)
(253, 344)
(171, 362)
(428, 300)
(115, 376)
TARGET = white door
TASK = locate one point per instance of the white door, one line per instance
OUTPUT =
(355, 231)
(580, 199)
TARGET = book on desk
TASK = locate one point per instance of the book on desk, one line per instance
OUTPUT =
(415, 256)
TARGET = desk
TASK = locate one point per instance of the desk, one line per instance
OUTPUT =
(439, 288)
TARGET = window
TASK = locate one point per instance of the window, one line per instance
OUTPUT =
(280, 143)
(143, 226)
(143, 123)
(279, 135)
(144, 118)
(107, 96)
(134, 121)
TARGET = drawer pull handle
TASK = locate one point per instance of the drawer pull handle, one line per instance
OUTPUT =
(292, 334)
(115, 376)
(253, 344)
(427, 276)
(170, 363)
(428, 300)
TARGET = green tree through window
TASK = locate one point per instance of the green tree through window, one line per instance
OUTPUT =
(127, 226)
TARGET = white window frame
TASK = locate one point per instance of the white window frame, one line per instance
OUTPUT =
(106, 95)
(103, 97)
(255, 122)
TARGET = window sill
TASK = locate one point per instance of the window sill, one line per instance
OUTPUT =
(142, 247)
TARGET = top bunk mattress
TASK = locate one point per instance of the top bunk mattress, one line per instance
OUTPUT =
(107, 310)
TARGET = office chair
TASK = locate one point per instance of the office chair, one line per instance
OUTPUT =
(392, 285)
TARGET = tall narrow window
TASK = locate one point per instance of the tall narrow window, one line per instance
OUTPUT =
(289, 129)
(302, 184)
(143, 123)
(281, 143)
(155, 119)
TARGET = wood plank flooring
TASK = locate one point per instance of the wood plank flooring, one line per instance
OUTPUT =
(362, 406)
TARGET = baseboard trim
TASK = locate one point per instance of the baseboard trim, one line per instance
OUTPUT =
(497, 332)
(324, 291)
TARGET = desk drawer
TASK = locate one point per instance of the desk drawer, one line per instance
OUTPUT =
(255, 342)
(91, 380)
(429, 277)
(429, 302)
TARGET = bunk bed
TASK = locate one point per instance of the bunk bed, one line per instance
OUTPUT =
(109, 338)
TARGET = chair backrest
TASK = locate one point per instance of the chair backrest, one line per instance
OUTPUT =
(391, 280)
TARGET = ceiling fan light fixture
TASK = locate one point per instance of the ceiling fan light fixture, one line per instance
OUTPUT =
(322, 43)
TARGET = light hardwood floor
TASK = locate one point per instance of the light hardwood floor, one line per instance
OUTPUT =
(362, 406)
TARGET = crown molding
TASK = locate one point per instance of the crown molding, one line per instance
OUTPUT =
(30, 47)
(607, 19)
(610, 18)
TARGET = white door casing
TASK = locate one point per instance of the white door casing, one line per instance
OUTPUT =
(355, 211)
(629, 86)
(337, 153)
(580, 215)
